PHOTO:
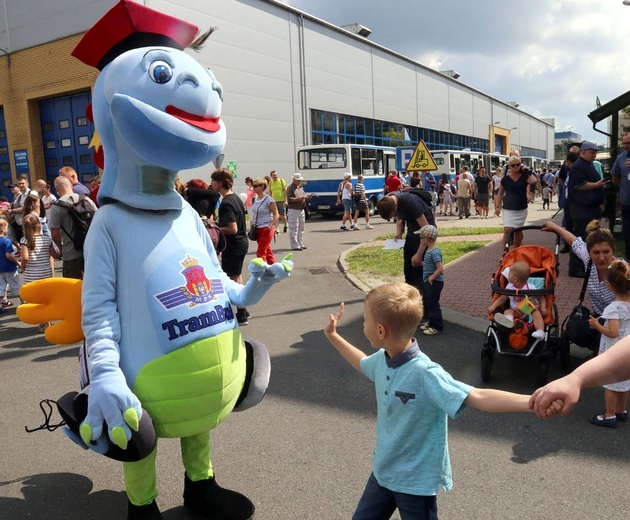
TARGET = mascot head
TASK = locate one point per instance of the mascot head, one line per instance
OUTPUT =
(156, 110)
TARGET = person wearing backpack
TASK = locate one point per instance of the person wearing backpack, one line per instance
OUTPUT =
(67, 232)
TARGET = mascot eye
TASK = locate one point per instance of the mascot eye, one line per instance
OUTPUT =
(160, 72)
(218, 88)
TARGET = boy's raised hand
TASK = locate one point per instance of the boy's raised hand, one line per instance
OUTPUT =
(333, 321)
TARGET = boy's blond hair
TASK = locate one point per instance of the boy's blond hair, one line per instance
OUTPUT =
(398, 306)
(521, 271)
(4, 225)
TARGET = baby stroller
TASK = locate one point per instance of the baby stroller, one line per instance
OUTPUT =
(518, 341)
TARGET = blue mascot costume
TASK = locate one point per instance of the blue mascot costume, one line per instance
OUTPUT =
(163, 351)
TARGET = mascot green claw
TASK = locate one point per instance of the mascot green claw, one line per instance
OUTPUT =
(131, 418)
(287, 263)
(86, 433)
(119, 437)
(259, 262)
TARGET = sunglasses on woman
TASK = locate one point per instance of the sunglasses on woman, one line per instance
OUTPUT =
(515, 165)
(257, 185)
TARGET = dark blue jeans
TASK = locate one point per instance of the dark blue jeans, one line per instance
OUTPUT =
(432, 310)
(379, 503)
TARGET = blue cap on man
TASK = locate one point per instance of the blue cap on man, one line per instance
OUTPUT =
(587, 145)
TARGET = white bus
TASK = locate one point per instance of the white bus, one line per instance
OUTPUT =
(534, 163)
(494, 161)
(323, 166)
(451, 161)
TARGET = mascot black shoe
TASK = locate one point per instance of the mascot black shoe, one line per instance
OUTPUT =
(209, 500)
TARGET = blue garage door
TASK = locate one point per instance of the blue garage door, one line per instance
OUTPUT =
(67, 133)
(5, 168)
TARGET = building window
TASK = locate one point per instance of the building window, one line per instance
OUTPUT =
(53, 162)
(66, 143)
(85, 159)
(68, 161)
(3, 134)
(84, 140)
(50, 145)
(64, 124)
(49, 127)
(3, 150)
(4, 166)
(82, 121)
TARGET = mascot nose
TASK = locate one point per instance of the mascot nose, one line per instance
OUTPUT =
(187, 77)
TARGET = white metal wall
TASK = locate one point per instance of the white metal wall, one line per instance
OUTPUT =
(276, 65)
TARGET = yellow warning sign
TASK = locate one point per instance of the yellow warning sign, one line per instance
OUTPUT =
(421, 159)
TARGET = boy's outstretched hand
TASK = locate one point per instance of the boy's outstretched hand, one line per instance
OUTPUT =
(333, 321)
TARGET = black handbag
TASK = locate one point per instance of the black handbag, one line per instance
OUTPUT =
(576, 326)
(252, 234)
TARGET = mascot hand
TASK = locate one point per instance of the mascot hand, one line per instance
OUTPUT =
(110, 400)
(57, 300)
(262, 277)
(271, 273)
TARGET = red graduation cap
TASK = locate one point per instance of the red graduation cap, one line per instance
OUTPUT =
(130, 25)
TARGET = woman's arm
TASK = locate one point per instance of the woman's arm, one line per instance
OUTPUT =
(567, 236)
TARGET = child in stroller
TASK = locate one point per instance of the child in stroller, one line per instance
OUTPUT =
(522, 307)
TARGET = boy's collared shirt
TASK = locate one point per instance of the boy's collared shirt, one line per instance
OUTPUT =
(414, 396)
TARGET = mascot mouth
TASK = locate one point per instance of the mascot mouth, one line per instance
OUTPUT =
(208, 124)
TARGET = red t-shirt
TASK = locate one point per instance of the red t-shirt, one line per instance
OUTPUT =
(393, 183)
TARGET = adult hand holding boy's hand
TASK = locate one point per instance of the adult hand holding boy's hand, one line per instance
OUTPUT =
(333, 321)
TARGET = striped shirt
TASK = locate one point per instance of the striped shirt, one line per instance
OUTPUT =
(38, 265)
(359, 190)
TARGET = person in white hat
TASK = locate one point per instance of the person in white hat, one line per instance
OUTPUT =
(296, 199)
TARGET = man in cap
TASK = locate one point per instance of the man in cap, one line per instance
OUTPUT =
(296, 199)
(586, 198)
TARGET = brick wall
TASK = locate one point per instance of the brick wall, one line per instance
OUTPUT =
(37, 73)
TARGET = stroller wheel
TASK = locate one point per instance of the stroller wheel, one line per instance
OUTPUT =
(564, 351)
(543, 371)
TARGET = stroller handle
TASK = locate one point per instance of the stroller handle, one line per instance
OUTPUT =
(508, 241)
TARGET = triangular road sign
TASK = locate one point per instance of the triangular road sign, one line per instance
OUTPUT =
(421, 159)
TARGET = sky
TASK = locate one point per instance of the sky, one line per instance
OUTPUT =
(553, 57)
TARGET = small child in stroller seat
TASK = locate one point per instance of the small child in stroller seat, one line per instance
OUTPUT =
(517, 278)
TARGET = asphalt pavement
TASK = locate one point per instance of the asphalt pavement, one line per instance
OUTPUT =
(306, 451)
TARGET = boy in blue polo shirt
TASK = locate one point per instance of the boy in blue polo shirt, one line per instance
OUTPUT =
(414, 397)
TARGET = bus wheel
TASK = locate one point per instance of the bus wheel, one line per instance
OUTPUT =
(372, 207)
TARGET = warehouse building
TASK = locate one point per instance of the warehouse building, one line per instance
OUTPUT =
(289, 78)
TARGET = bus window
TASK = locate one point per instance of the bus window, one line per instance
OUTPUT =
(368, 161)
(390, 163)
(322, 158)
(356, 161)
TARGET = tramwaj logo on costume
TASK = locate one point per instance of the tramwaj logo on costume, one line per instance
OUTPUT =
(198, 289)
